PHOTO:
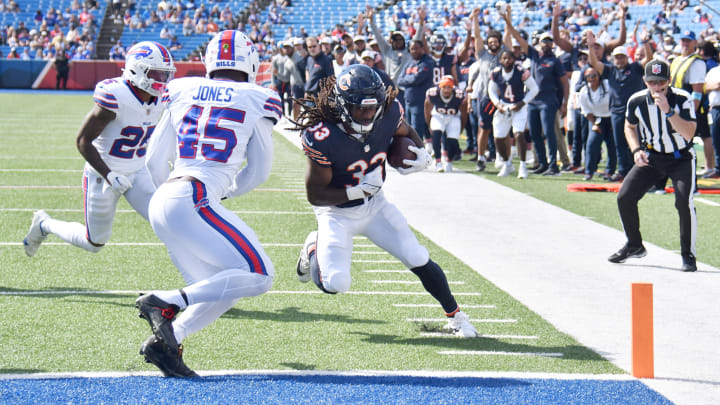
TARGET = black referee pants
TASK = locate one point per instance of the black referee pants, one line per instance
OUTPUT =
(640, 179)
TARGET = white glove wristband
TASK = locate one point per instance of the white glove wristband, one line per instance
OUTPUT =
(355, 193)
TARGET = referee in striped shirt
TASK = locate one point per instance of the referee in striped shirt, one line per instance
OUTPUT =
(659, 128)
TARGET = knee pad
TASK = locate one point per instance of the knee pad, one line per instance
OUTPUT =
(338, 282)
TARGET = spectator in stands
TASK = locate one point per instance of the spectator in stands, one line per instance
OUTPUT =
(360, 43)
(326, 45)
(349, 44)
(416, 80)
(338, 59)
(88, 52)
(188, 26)
(280, 75)
(594, 99)
(296, 67)
(212, 27)
(712, 86)
(62, 66)
(549, 74)
(174, 44)
(117, 52)
(688, 72)
(624, 80)
(165, 33)
(318, 68)
(394, 54)
(368, 58)
(479, 105)
(201, 27)
(226, 18)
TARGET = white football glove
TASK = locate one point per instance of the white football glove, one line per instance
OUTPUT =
(421, 162)
(118, 182)
(373, 181)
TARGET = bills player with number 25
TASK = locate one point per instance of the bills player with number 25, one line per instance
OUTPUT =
(346, 137)
(214, 125)
(112, 140)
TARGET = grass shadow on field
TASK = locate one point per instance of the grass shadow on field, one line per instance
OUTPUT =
(293, 314)
(299, 366)
(570, 352)
(21, 370)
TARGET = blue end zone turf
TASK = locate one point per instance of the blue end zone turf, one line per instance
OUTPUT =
(326, 389)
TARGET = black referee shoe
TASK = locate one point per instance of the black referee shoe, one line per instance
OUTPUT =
(689, 263)
(626, 252)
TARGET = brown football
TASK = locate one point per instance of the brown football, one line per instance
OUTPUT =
(399, 151)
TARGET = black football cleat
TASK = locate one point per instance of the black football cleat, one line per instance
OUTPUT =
(170, 364)
(689, 263)
(627, 252)
(159, 315)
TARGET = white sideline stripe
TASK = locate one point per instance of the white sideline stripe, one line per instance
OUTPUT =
(390, 271)
(435, 306)
(272, 190)
(144, 244)
(440, 334)
(133, 211)
(409, 282)
(42, 170)
(471, 320)
(492, 353)
(355, 373)
(135, 292)
(708, 202)
(367, 252)
(377, 261)
(44, 158)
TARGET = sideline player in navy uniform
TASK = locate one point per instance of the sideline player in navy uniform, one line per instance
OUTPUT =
(444, 62)
(510, 89)
(346, 138)
(446, 115)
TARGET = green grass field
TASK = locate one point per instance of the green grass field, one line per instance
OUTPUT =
(59, 313)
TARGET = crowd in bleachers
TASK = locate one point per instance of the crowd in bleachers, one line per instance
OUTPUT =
(71, 29)
(450, 33)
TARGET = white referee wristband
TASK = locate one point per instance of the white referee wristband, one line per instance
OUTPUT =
(355, 193)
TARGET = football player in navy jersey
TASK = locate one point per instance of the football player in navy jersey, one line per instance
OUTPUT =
(346, 136)
(444, 62)
(510, 89)
(446, 115)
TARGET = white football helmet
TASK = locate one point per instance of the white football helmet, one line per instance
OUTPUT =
(149, 67)
(232, 50)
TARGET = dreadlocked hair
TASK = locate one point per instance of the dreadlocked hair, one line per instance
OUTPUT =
(324, 108)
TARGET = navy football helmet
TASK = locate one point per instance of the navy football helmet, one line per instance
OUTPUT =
(438, 44)
(360, 96)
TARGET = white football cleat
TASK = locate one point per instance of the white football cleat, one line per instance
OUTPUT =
(35, 235)
(523, 172)
(506, 170)
(439, 167)
(499, 162)
(303, 263)
(460, 325)
(447, 166)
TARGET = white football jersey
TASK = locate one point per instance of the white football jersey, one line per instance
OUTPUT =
(214, 120)
(123, 141)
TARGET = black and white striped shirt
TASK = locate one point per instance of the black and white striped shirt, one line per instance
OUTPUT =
(656, 132)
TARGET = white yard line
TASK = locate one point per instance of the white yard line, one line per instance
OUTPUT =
(272, 190)
(136, 244)
(409, 282)
(446, 335)
(435, 306)
(492, 353)
(377, 261)
(41, 170)
(705, 201)
(245, 212)
(490, 320)
(135, 292)
(391, 271)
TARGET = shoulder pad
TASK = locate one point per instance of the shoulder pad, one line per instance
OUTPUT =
(105, 96)
(432, 92)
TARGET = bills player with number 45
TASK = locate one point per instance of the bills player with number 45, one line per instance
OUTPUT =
(346, 137)
(112, 140)
(213, 126)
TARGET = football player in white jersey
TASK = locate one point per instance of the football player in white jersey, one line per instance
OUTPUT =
(112, 140)
(213, 126)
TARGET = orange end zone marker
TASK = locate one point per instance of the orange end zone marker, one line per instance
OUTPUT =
(643, 363)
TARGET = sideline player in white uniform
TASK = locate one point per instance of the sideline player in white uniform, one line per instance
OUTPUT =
(510, 89)
(112, 140)
(346, 142)
(446, 115)
(213, 126)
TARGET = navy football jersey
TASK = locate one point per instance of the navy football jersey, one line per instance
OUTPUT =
(463, 71)
(443, 66)
(513, 90)
(329, 146)
(451, 107)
